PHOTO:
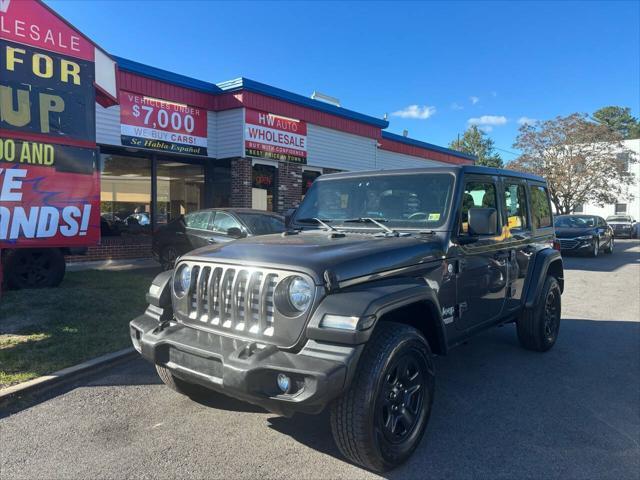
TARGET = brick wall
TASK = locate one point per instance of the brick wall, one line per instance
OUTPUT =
(241, 178)
(117, 248)
(289, 186)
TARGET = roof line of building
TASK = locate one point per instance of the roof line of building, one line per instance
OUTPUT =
(429, 146)
(247, 84)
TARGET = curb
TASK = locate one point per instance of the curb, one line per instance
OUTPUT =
(46, 382)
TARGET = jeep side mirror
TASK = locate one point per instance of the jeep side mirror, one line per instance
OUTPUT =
(482, 221)
(235, 232)
(288, 215)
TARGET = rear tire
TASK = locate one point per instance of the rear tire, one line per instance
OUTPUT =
(539, 326)
(380, 419)
(34, 268)
(610, 247)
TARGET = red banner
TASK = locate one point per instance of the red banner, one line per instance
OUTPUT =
(49, 176)
(272, 136)
(31, 23)
(49, 195)
(157, 124)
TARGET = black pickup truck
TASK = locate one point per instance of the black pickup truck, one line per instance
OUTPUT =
(377, 272)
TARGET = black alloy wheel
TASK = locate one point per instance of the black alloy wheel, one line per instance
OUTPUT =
(379, 421)
(401, 398)
(551, 315)
(34, 268)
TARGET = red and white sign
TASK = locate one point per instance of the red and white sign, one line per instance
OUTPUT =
(31, 23)
(272, 136)
(157, 124)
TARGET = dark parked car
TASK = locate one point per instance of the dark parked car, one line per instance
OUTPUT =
(208, 227)
(587, 234)
(377, 272)
(623, 225)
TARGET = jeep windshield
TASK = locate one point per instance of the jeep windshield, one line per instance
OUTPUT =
(401, 201)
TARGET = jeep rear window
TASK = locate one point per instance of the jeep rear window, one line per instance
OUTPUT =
(414, 201)
(540, 208)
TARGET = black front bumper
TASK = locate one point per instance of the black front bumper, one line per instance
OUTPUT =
(246, 370)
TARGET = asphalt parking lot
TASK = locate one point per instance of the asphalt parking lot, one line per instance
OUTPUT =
(500, 411)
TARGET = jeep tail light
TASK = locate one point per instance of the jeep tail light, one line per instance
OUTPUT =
(556, 244)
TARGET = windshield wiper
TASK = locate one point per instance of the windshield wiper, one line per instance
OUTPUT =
(318, 221)
(375, 222)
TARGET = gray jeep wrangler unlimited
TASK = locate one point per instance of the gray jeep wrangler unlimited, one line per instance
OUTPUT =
(378, 272)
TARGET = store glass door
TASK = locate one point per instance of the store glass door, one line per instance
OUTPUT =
(180, 190)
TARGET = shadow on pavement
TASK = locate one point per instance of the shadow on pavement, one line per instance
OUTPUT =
(499, 409)
(626, 252)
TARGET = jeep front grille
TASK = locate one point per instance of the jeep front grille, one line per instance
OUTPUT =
(234, 299)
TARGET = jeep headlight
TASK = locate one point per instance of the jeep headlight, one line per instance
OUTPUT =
(293, 296)
(182, 280)
(300, 293)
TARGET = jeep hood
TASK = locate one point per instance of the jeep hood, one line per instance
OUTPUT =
(347, 257)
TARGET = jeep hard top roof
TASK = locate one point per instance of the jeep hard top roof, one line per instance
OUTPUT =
(453, 169)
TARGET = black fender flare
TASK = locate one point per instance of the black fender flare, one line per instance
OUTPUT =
(372, 301)
(538, 273)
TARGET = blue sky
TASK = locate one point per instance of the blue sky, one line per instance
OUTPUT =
(492, 63)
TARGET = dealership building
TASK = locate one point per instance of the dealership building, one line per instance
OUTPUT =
(169, 144)
(256, 146)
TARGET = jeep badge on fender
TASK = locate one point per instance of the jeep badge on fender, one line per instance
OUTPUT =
(377, 273)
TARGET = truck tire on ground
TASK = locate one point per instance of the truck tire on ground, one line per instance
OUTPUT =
(379, 421)
(34, 268)
(538, 327)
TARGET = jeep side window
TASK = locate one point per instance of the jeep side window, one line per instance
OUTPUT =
(515, 206)
(476, 195)
(540, 208)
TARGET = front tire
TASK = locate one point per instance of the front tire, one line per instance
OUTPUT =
(538, 327)
(380, 420)
(596, 248)
(34, 268)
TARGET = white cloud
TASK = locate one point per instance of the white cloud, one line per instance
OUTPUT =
(416, 111)
(456, 106)
(474, 100)
(488, 121)
(485, 128)
(526, 121)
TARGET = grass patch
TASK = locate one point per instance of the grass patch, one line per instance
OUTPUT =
(42, 331)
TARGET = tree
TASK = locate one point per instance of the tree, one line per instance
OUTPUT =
(476, 142)
(577, 157)
(619, 119)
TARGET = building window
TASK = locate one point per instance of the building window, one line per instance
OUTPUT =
(180, 190)
(263, 192)
(125, 194)
(621, 208)
(623, 161)
(308, 177)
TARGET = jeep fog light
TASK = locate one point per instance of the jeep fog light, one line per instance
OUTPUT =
(284, 382)
(182, 280)
(342, 322)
